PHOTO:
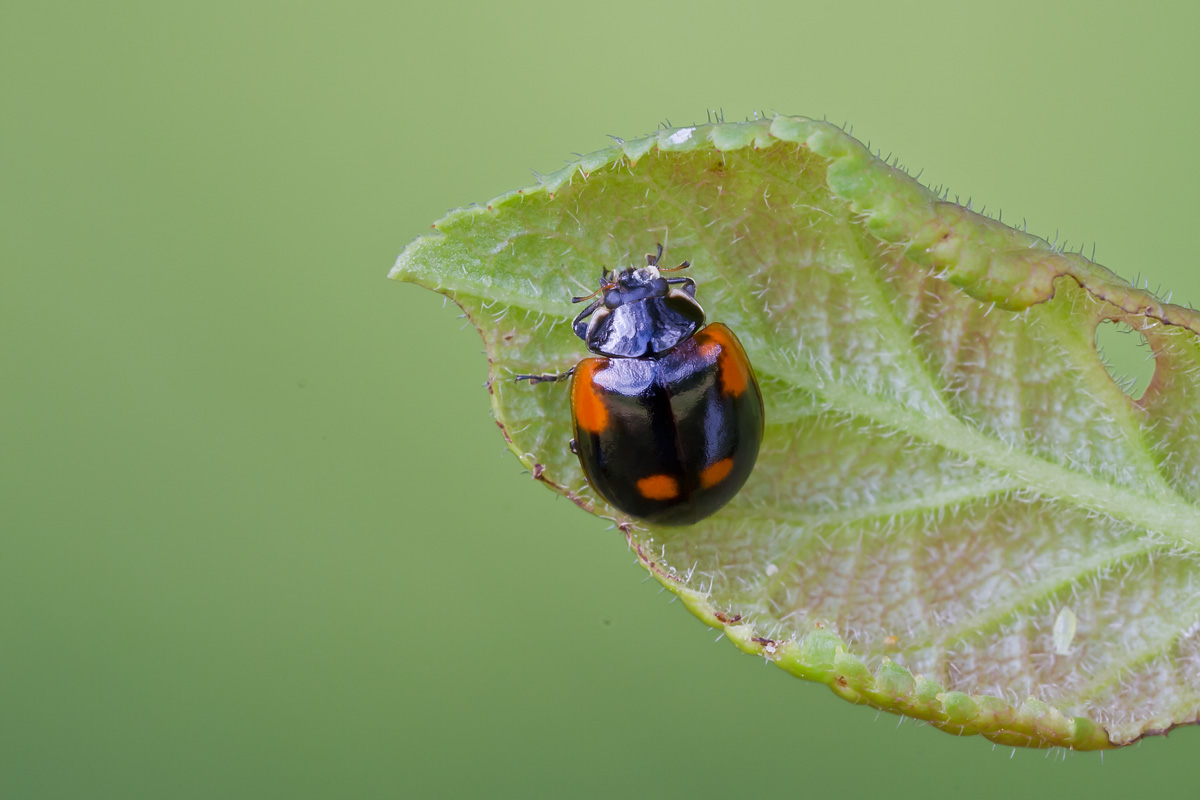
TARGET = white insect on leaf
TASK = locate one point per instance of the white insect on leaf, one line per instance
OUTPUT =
(1064, 631)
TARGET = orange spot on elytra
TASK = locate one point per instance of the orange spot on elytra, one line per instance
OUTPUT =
(715, 473)
(732, 365)
(658, 487)
(591, 414)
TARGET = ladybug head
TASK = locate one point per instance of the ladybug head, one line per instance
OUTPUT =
(638, 312)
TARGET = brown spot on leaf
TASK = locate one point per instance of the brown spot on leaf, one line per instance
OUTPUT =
(504, 431)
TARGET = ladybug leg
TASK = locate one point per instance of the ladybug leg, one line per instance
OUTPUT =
(587, 311)
(546, 377)
(573, 446)
(689, 285)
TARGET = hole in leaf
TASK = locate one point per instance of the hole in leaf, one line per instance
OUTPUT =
(1126, 356)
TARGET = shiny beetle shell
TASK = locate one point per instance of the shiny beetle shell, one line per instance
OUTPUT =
(668, 418)
(669, 440)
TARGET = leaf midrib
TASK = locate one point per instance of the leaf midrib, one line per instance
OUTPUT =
(1170, 516)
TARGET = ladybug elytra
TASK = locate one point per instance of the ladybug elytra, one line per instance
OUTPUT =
(668, 417)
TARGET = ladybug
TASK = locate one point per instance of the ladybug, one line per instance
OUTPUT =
(668, 418)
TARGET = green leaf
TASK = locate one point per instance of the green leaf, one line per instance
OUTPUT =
(957, 514)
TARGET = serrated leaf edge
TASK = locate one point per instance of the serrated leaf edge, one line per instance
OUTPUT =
(902, 213)
(822, 656)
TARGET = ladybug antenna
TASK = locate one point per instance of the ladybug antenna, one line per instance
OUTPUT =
(589, 296)
(606, 279)
(652, 260)
(684, 265)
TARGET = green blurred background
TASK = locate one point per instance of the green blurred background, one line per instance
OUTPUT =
(258, 534)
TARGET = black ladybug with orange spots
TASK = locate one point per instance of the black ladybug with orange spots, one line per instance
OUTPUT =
(669, 419)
